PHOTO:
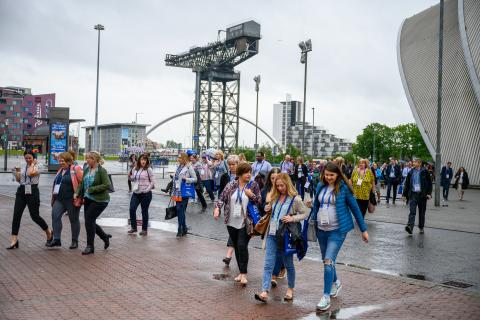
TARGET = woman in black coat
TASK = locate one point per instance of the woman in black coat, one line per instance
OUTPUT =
(301, 175)
(461, 182)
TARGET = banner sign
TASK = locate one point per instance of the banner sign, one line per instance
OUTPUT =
(58, 141)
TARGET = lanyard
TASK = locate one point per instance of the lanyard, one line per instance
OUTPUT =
(179, 169)
(29, 178)
(256, 166)
(364, 174)
(275, 215)
(240, 194)
(59, 181)
(139, 175)
(323, 198)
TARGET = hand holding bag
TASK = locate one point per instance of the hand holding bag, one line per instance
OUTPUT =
(262, 225)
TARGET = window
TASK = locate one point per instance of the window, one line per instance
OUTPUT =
(3, 112)
(3, 101)
(25, 120)
(10, 108)
(16, 114)
(25, 109)
(29, 126)
(30, 103)
(14, 102)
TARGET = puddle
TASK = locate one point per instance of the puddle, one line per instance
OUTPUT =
(221, 276)
(343, 313)
(118, 222)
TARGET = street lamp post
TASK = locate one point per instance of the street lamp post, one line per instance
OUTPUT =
(438, 155)
(313, 130)
(98, 27)
(5, 146)
(136, 128)
(305, 47)
(257, 88)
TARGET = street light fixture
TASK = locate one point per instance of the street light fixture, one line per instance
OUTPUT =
(98, 27)
(313, 130)
(305, 47)
(257, 88)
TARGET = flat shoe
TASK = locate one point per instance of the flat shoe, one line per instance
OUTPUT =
(288, 298)
(274, 283)
(260, 298)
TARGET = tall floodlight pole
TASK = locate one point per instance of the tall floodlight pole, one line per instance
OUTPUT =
(96, 139)
(257, 88)
(438, 155)
(313, 130)
(305, 47)
(5, 146)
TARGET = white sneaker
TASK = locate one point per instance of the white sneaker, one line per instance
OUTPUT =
(324, 303)
(335, 289)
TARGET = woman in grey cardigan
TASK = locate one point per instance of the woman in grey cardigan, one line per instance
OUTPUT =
(185, 174)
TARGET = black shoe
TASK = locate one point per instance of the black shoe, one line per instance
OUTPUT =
(422, 231)
(164, 190)
(203, 209)
(227, 260)
(184, 232)
(74, 244)
(180, 232)
(106, 240)
(54, 243)
(88, 250)
(408, 229)
(14, 246)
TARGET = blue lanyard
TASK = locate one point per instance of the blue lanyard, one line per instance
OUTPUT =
(240, 194)
(29, 178)
(275, 215)
(179, 169)
(59, 179)
(138, 175)
(323, 198)
(256, 166)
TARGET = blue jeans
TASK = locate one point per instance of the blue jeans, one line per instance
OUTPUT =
(271, 254)
(300, 188)
(181, 208)
(142, 199)
(330, 244)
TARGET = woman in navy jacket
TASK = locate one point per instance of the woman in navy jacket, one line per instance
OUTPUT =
(332, 212)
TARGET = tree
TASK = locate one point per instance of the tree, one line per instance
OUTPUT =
(173, 145)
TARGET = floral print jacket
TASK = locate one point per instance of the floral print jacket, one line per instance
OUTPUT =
(230, 188)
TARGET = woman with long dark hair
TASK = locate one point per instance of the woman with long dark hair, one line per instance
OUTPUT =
(461, 182)
(132, 163)
(301, 175)
(28, 195)
(143, 182)
(332, 212)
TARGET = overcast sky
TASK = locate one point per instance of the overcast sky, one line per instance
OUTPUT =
(353, 78)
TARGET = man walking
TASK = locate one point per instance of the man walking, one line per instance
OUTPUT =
(417, 190)
(261, 166)
(446, 179)
(393, 176)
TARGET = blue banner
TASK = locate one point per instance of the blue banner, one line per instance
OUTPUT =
(58, 141)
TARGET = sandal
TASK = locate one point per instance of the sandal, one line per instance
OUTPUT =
(258, 297)
(244, 281)
(238, 278)
(288, 297)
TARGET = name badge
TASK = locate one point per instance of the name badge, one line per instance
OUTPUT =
(28, 189)
(135, 186)
(202, 172)
(300, 174)
(56, 189)
(416, 187)
(307, 184)
(359, 182)
(273, 227)
(237, 210)
(176, 184)
(448, 176)
(324, 216)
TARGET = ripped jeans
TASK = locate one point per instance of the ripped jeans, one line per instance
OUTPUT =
(330, 244)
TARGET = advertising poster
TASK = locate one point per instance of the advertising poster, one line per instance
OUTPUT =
(124, 136)
(58, 141)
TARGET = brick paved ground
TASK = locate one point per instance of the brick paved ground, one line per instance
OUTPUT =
(161, 277)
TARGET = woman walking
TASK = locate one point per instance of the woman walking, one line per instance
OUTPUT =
(220, 167)
(132, 163)
(66, 182)
(231, 175)
(363, 183)
(378, 177)
(27, 195)
(185, 174)
(332, 213)
(94, 191)
(461, 182)
(234, 200)
(286, 207)
(143, 182)
(301, 175)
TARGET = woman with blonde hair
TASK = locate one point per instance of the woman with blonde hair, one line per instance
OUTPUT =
(220, 167)
(94, 191)
(363, 183)
(65, 184)
(286, 207)
(185, 174)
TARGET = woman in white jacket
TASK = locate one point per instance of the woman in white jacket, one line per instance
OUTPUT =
(184, 175)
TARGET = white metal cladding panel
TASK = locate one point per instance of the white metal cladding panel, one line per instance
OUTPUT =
(472, 24)
(460, 108)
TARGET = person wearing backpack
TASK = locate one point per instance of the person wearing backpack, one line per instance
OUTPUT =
(143, 182)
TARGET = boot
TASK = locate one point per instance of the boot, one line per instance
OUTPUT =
(74, 244)
(88, 250)
(106, 240)
(54, 243)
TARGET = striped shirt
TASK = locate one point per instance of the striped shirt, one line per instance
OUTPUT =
(26, 179)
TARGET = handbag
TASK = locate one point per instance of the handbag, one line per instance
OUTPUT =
(309, 233)
(111, 188)
(253, 212)
(187, 190)
(77, 202)
(262, 225)
(170, 211)
(372, 202)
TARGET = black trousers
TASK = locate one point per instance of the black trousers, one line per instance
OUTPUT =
(421, 203)
(32, 201)
(200, 196)
(93, 210)
(391, 184)
(240, 240)
(445, 189)
(363, 205)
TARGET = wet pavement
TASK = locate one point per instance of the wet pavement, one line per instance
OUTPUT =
(446, 253)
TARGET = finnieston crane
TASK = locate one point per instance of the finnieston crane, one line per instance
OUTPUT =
(217, 87)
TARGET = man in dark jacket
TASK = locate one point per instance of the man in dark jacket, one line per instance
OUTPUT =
(446, 179)
(393, 176)
(417, 190)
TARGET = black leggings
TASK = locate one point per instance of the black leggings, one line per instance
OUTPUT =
(93, 210)
(32, 201)
(363, 205)
(240, 240)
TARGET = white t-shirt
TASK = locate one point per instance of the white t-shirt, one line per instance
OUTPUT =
(326, 198)
(238, 210)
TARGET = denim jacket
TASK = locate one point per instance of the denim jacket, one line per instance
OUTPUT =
(345, 204)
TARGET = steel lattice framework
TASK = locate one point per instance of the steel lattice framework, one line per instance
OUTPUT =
(217, 89)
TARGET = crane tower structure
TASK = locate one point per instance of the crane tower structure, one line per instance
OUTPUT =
(217, 86)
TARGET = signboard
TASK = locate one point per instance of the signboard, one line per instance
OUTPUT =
(58, 141)
(124, 136)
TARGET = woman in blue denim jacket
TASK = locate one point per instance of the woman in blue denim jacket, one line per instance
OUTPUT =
(332, 213)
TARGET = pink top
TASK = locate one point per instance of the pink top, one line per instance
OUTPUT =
(145, 179)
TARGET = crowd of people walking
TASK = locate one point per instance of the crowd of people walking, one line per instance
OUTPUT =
(256, 199)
